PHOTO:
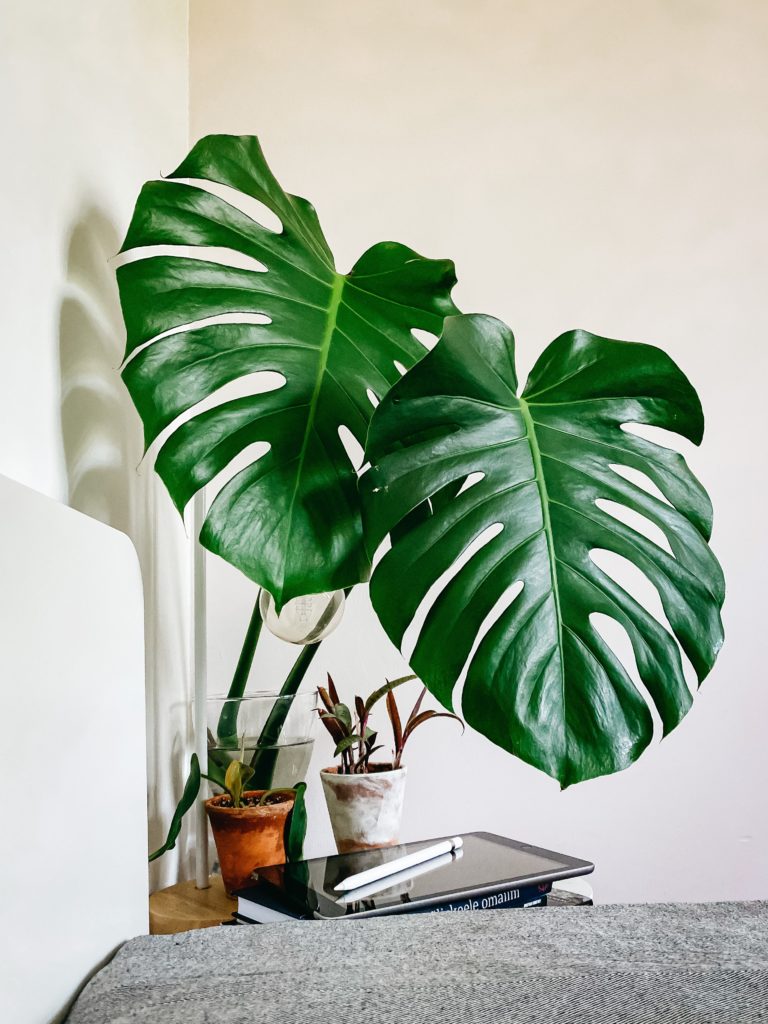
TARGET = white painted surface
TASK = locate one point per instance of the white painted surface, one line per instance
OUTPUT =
(73, 841)
(587, 164)
(94, 102)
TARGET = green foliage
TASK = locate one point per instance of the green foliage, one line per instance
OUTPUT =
(355, 740)
(188, 797)
(236, 779)
(333, 337)
(296, 825)
(541, 681)
(227, 726)
(264, 757)
(455, 454)
(218, 762)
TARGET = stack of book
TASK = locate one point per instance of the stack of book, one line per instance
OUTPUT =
(478, 871)
(263, 904)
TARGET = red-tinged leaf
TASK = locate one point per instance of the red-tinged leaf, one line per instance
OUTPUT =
(394, 717)
(361, 714)
(425, 716)
(325, 698)
(333, 691)
(333, 725)
(416, 706)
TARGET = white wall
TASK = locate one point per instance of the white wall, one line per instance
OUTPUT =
(587, 164)
(94, 101)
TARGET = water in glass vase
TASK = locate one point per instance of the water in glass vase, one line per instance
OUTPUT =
(276, 731)
(288, 760)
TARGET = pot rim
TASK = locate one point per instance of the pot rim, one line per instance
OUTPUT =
(333, 773)
(285, 801)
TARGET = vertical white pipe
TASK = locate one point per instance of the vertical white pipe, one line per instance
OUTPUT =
(198, 666)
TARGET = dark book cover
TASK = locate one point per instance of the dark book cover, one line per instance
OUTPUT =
(254, 901)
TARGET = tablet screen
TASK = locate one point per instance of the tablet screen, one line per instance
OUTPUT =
(484, 862)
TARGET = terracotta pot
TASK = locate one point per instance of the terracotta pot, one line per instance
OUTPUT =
(247, 837)
(365, 810)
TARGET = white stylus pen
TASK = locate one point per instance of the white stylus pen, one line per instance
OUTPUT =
(398, 864)
(397, 881)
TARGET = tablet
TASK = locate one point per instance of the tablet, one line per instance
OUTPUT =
(486, 864)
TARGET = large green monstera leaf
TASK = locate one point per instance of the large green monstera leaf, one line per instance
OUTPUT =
(290, 520)
(454, 452)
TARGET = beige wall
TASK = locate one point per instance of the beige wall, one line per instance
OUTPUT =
(94, 100)
(587, 164)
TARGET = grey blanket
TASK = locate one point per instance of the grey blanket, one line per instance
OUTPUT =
(603, 965)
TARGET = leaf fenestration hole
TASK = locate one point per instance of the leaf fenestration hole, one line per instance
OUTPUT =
(258, 383)
(256, 319)
(250, 384)
(399, 367)
(381, 550)
(616, 637)
(353, 448)
(219, 255)
(372, 398)
(504, 602)
(472, 479)
(636, 521)
(425, 338)
(411, 634)
(250, 454)
(253, 208)
(658, 435)
(641, 480)
(632, 579)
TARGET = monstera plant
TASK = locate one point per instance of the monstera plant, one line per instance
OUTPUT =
(495, 503)
(456, 452)
(212, 296)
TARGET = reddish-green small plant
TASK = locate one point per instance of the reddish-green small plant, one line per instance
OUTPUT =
(355, 739)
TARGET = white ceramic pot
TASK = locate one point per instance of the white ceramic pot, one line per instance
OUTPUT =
(365, 810)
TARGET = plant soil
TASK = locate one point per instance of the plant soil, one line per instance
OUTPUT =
(255, 801)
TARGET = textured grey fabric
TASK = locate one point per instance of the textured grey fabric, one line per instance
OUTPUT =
(680, 964)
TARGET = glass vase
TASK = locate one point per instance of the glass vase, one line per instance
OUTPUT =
(272, 733)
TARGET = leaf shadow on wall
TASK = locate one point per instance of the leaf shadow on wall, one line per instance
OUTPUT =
(102, 442)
